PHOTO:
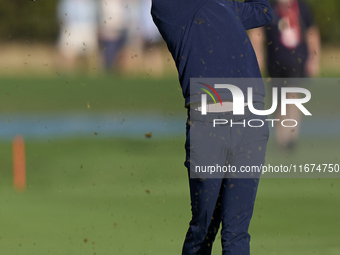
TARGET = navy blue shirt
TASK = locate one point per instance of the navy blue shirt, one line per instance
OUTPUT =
(208, 39)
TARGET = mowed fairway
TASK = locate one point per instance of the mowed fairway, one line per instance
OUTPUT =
(112, 195)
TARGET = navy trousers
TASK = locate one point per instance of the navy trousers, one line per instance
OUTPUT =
(112, 48)
(222, 201)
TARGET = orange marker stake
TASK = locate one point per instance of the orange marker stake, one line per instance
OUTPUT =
(19, 163)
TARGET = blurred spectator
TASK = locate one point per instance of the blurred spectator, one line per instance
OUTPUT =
(124, 29)
(151, 39)
(292, 44)
(78, 29)
(113, 29)
(149, 31)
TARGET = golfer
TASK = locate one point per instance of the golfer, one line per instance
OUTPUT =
(208, 39)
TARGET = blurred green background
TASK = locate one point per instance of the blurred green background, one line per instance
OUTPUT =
(102, 193)
(33, 20)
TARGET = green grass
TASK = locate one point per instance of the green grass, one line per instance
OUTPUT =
(116, 196)
(132, 197)
(117, 94)
(102, 93)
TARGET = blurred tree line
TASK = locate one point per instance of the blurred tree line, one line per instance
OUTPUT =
(35, 20)
(326, 15)
(28, 20)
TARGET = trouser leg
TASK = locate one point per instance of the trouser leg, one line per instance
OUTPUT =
(238, 194)
(238, 197)
(111, 50)
(204, 192)
(206, 216)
